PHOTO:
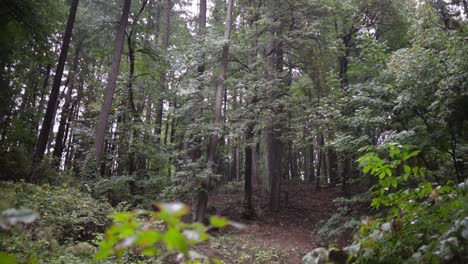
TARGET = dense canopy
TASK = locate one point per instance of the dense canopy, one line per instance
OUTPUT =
(352, 114)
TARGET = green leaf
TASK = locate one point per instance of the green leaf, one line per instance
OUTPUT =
(121, 217)
(366, 169)
(412, 154)
(218, 221)
(388, 171)
(382, 174)
(7, 258)
(407, 169)
(148, 238)
(174, 239)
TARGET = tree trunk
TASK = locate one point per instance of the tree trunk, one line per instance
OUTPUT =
(248, 210)
(111, 83)
(273, 129)
(40, 107)
(162, 80)
(320, 161)
(58, 149)
(220, 86)
(54, 93)
(332, 166)
(202, 203)
(273, 166)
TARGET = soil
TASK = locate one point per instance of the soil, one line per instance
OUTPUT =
(290, 230)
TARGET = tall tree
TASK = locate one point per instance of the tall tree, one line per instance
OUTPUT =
(220, 87)
(111, 82)
(54, 93)
(163, 76)
(66, 111)
(272, 131)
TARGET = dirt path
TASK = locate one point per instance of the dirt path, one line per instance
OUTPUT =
(289, 231)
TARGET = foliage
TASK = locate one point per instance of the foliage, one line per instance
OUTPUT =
(149, 233)
(346, 219)
(66, 216)
(136, 191)
(12, 216)
(236, 250)
(426, 222)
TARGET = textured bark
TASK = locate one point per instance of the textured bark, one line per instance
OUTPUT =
(111, 82)
(54, 93)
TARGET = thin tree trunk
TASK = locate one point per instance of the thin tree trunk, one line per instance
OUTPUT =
(256, 182)
(58, 149)
(248, 210)
(310, 162)
(163, 78)
(111, 83)
(156, 27)
(333, 166)
(54, 93)
(41, 101)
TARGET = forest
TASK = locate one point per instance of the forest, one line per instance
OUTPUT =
(233, 131)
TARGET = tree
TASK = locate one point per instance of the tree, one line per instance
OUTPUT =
(202, 201)
(66, 109)
(101, 126)
(54, 93)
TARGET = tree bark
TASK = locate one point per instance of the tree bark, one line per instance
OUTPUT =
(111, 82)
(272, 131)
(202, 203)
(54, 93)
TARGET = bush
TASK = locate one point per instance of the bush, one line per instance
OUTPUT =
(425, 222)
(133, 190)
(159, 234)
(346, 220)
(67, 216)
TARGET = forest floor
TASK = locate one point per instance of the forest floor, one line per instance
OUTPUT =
(272, 237)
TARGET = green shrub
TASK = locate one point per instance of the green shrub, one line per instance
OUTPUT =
(346, 219)
(133, 190)
(425, 222)
(161, 234)
(66, 216)
(15, 164)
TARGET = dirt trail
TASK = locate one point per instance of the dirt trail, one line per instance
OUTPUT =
(290, 230)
